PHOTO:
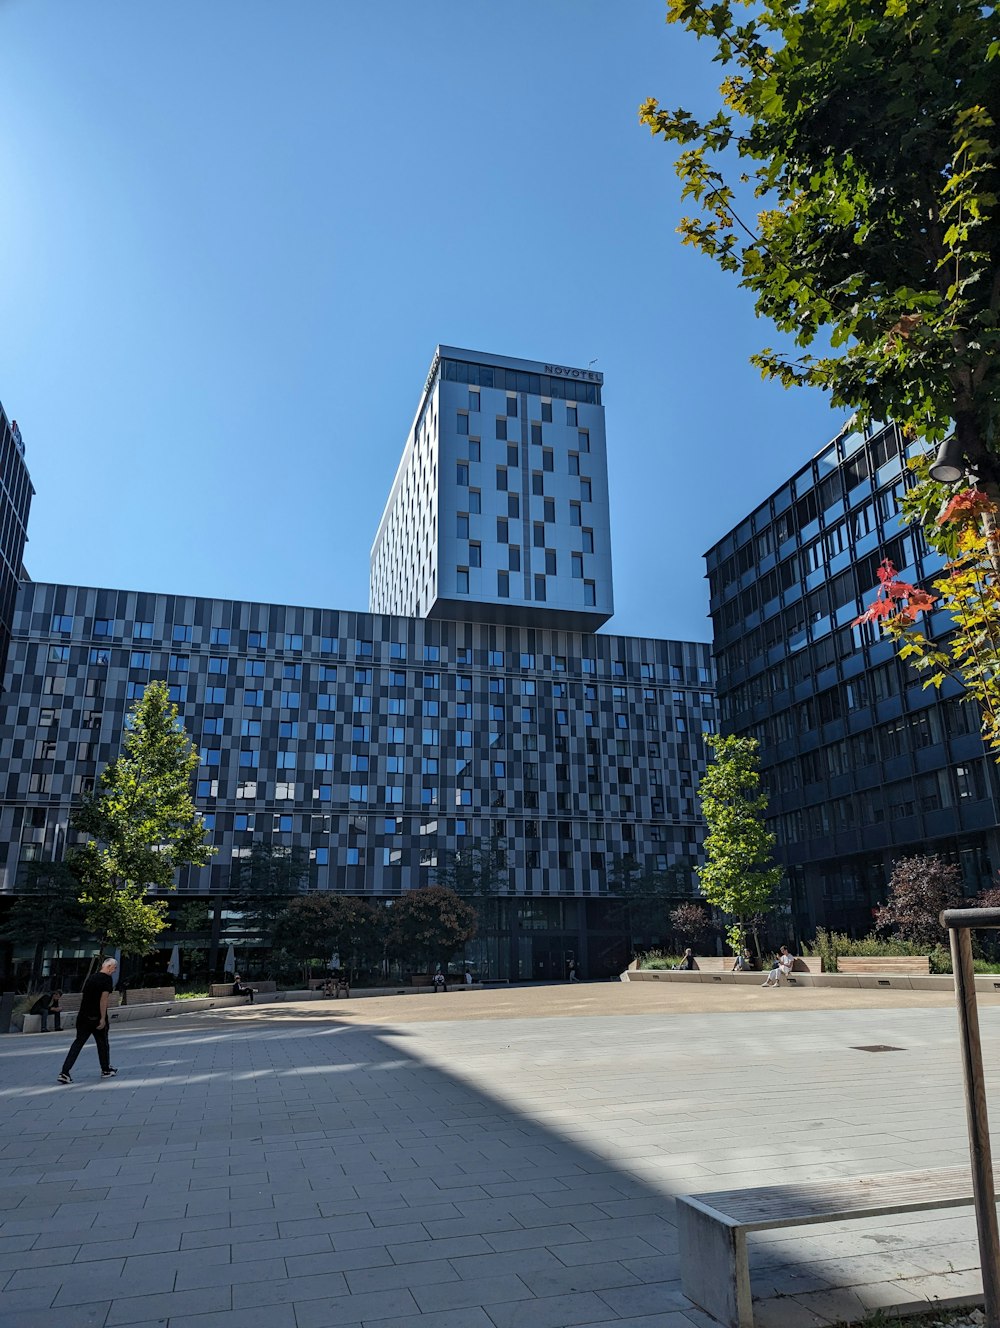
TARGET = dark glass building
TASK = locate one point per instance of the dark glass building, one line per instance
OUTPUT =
(15, 502)
(862, 764)
(377, 746)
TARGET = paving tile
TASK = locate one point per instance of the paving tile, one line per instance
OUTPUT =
(466, 1295)
(275, 1316)
(229, 1274)
(348, 1310)
(133, 1309)
(468, 1318)
(550, 1312)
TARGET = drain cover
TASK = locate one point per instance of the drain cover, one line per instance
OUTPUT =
(878, 1048)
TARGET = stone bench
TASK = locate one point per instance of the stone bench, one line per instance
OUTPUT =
(713, 1228)
(226, 988)
(910, 965)
(135, 996)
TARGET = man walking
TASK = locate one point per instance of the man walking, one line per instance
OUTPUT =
(92, 1020)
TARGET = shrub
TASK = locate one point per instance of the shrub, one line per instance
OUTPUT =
(658, 959)
(830, 944)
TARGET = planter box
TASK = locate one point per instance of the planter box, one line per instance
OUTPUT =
(421, 979)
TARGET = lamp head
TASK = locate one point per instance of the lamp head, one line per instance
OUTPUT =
(949, 464)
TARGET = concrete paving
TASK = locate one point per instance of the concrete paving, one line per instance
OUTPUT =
(494, 1159)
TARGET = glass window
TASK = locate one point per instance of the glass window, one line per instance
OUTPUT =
(503, 585)
(462, 525)
(475, 501)
(99, 655)
(462, 473)
(462, 580)
(62, 622)
(181, 632)
(293, 641)
(539, 587)
(180, 663)
(141, 631)
(463, 422)
(219, 636)
(257, 640)
(546, 412)
(103, 626)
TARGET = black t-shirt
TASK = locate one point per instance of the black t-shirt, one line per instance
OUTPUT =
(90, 1000)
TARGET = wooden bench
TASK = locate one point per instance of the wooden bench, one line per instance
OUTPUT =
(912, 965)
(712, 1228)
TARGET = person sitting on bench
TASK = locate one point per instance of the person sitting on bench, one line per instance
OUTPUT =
(240, 990)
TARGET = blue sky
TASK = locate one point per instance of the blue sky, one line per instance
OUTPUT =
(233, 234)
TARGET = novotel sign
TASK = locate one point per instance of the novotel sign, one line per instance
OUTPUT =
(586, 375)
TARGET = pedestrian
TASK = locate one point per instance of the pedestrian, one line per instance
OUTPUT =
(572, 971)
(41, 1007)
(781, 968)
(743, 962)
(55, 1009)
(92, 1021)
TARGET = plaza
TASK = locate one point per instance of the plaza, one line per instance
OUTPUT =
(505, 1158)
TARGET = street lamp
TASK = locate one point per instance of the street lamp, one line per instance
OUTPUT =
(949, 464)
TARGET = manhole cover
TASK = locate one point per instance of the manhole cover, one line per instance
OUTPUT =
(878, 1048)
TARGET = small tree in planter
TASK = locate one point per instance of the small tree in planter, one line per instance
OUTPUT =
(143, 826)
(428, 925)
(737, 876)
(920, 888)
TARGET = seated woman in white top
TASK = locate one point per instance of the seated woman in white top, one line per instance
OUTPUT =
(781, 968)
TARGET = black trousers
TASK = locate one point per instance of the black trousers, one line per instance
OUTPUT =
(86, 1028)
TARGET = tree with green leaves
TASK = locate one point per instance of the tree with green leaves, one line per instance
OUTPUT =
(737, 876)
(143, 826)
(264, 882)
(865, 137)
(428, 925)
(46, 911)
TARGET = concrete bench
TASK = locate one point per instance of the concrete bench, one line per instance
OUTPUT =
(712, 1228)
(912, 965)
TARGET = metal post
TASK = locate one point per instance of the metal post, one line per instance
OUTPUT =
(959, 922)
